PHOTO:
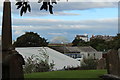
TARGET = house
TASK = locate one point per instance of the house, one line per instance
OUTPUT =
(104, 37)
(90, 52)
(79, 52)
(59, 44)
(60, 60)
(74, 52)
(83, 37)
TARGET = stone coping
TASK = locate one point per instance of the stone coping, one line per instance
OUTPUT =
(110, 77)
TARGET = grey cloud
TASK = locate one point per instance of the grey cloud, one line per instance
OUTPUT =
(63, 33)
(59, 27)
(83, 5)
(45, 24)
(65, 6)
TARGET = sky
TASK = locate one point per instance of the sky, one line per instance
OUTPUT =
(69, 19)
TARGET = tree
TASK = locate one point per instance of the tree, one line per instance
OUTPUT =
(98, 44)
(115, 44)
(30, 39)
(75, 42)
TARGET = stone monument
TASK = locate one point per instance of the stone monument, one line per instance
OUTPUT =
(113, 65)
(12, 61)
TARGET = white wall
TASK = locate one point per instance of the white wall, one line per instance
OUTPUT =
(96, 55)
(84, 38)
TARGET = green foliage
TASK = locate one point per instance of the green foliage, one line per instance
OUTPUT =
(30, 39)
(75, 42)
(83, 44)
(116, 42)
(100, 44)
(88, 64)
(35, 63)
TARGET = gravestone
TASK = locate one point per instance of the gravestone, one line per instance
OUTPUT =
(12, 61)
(0, 61)
(119, 53)
(119, 60)
(113, 61)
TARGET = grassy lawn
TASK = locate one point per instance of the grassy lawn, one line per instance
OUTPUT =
(68, 74)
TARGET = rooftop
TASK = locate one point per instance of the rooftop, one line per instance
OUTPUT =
(66, 49)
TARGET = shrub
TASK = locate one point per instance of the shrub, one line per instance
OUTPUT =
(35, 64)
(88, 64)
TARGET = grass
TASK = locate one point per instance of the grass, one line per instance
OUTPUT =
(68, 74)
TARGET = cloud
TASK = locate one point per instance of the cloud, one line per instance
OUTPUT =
(64, 33)
(72, 0)
(59, 39)
(51, 24)
(61, 7)
(18, 32)
(83, 5)
(49, 28)
(54, 27)
(90, 0)
(36, 12)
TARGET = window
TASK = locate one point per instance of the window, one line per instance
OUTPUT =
(94, 55)
(88, 54)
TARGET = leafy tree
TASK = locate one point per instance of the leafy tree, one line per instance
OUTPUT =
(98, 44)
(115, 44)
(30, 39)
(83, 43)
(75, 42)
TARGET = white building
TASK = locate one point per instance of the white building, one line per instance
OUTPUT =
(60, 60)
(83, 37)
(89, 52)
(79, 52)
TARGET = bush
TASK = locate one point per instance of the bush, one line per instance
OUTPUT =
(35, 64)
(89, 64)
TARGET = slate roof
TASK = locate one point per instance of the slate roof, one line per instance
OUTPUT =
(87, 49)
(73, 49)
(66, 49)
